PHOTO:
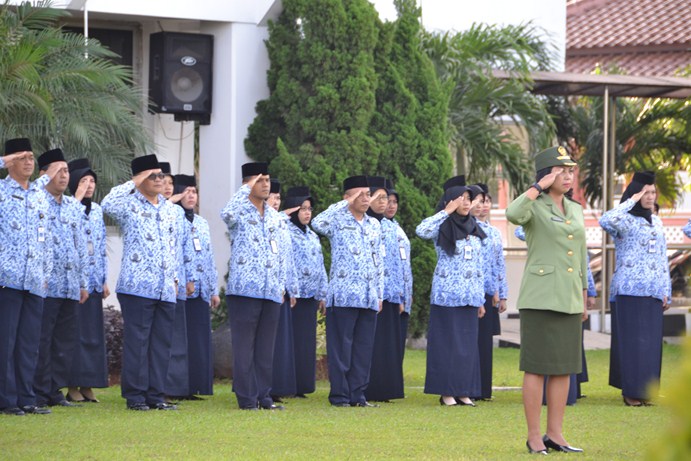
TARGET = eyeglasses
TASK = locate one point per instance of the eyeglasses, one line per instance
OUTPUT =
(306, 208)
(155, 176)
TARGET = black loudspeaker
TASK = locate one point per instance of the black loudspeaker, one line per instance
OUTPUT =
(180, 74)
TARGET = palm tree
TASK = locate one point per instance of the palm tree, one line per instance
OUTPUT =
(481, 105)
(651, 134)
(61, 90)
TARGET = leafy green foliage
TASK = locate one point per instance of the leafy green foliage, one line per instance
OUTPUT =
(352, 95)
(61, 90)
(651, 134)
(481, 105)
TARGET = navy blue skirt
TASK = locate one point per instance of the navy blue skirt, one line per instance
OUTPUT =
(305, 344)
(89, 364)
(614, 366)
(386, 371)
(284, 381)
(453, 362)
(639, 343)
(177, 379)
(199, 349)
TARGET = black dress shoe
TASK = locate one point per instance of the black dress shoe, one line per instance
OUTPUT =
(273, 406)
(63, 403)
(34, 410)
(365, 404)
(14, 411)
(341, 405)
(163, 406)
(549, 443)
(535, 452)
(138, 407)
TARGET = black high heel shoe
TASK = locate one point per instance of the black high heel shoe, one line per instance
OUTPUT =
(535, 452)
(626, 402)
(461, 402)
(444, 404)
(552, 445)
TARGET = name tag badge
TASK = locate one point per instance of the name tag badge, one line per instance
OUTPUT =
(197, 244)
(274, 246)
(468, 252)
(651, 246)
(90, 247)
(41, 234)
(404, 256)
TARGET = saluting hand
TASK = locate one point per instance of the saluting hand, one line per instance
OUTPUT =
(140, 177)
(290, 211)
(549, 179)
(19, 156)
(253, 180)
(351, 198)
(638, 195)
(81, 190)
(453, 205)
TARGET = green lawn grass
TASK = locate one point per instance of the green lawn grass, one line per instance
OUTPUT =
(416, 427)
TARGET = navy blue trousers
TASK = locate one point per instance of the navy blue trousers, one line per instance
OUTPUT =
(305, 344)
(349, 344)
(59, 339)
(284, 381)
(148, 330)
(89, 364)
(20, 335)
(178, 377)
(199, 351)
(253, 324)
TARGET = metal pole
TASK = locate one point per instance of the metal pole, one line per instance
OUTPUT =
(86, 28)
(604, 273)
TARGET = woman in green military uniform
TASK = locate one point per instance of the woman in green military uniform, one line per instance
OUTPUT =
(552, 296)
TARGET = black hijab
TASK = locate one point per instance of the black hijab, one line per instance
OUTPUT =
(178, 188)
(292, 202)
(639, 180)
(457, 227)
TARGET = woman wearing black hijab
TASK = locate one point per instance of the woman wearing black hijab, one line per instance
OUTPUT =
(202, 275)
(457, 301)
(89, 365)
(641, 288)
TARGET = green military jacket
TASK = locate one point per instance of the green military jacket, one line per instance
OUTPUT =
(555, 272)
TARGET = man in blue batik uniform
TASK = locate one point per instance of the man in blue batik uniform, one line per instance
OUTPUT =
(355, 295)
(256, 286)
(27, 260)
(148, 281)
(67, 286)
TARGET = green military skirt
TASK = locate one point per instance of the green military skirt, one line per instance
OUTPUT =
(550, 342)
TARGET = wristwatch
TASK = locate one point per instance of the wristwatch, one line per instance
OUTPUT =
(537, 187)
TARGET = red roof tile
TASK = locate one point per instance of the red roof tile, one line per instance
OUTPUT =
(641, 37)
(607, 23)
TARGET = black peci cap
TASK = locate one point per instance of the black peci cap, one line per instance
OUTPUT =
(182, 182)
(12, 146)
(355, 181)
(143, 163)
(296, 195)
(275, 186)
(51, 156)
(254, 168)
